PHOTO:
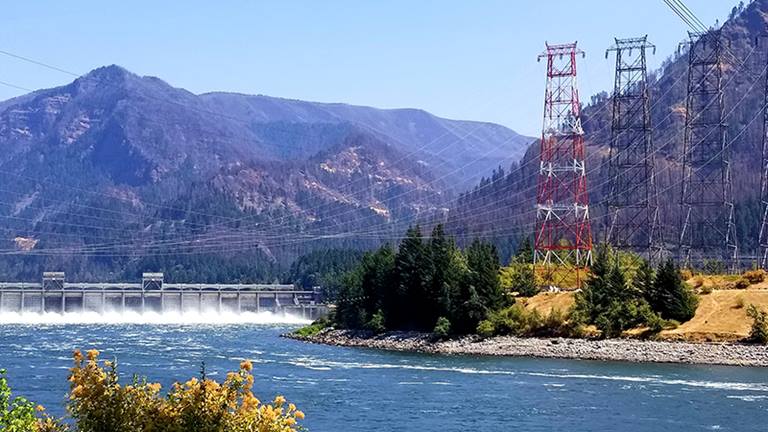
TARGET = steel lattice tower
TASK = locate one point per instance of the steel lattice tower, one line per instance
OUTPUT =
(763, 235)
(633, 209)
(707, 229)
(563, 235)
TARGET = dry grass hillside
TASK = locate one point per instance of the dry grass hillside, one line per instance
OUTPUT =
(545, 302)
(721, 315)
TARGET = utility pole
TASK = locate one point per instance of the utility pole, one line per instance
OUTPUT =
(763, 234)
(563, 236)
(633, 205)
(707, 228)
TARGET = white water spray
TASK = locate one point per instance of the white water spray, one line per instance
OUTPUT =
(151, 318)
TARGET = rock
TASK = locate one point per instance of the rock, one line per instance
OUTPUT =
(609, 350)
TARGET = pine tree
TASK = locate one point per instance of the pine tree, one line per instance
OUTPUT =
(468, 310)
(642, 283)
(411, 300)
(483, 263)
(524, 252)
(671, 297)
(443, 277)
(594, 298)
(376, 276)
(350, 312)
(523, 280)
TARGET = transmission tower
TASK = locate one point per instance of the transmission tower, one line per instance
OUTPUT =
(707, 229)
(563, 235)
(633, 208)
(763, 235)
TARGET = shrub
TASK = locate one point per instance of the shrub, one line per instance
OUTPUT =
(486, 328)
(759, 331)
(513, 320)
(670, 324)
(707, 290)
(516, 320)
(742, 283)
(686, 274)
(626, 315)
(98, 402)
(316, 327)
(442, 328)
(522, 280)
(739, 303)
(376, 323)
(698, 281)
(755, 276)
(17, 414)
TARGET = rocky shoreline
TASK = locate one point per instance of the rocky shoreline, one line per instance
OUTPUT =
(629, 350)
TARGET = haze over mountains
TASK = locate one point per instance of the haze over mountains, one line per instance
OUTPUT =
(116, 170)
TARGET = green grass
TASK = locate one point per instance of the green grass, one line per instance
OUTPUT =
(314, 328)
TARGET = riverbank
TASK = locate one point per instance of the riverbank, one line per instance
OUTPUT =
(629, 350)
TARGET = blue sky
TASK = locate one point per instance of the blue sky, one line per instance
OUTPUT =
(458, 59)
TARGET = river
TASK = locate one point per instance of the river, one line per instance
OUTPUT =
(344, 389)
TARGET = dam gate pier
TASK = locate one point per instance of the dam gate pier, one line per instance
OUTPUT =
(54, 294)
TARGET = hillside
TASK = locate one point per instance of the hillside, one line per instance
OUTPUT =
(503, 204)
(721, 315)
(116, 173)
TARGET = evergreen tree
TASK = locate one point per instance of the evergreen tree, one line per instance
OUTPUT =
(671, 297)
(594, 297)
(608, 302)
(483, 275)
(411, 300)
(468, 310)
(523, 279)
(617, 285)
(524, 252)
(350, 312)
(443, 277)
(376, 276)
(642, 283)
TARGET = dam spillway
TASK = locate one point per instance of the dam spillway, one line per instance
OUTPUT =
(54, 295)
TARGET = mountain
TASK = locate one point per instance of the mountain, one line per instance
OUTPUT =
(115, 173)
(502, 206)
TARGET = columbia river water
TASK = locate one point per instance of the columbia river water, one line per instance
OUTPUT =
(345, 389)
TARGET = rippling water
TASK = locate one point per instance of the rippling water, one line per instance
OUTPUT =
(343, 389)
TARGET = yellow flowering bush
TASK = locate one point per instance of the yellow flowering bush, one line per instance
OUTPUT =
(99, 403)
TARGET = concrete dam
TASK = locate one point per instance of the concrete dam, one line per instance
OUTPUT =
(54, 294)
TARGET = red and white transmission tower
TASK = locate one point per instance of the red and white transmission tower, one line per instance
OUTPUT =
(563, 235)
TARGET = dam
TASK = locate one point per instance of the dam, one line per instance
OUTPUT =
(54, 294)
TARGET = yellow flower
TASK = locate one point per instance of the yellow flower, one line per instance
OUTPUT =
(246, 365)
(93, 354)
(40, 408)
(291, 407)
(299, 415)
(279, 400)
(154, 387)
(77, 391)
(78, 356)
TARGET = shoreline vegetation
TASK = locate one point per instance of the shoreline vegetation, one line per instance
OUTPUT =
(624, 350)
(98, 402)
(430, 295)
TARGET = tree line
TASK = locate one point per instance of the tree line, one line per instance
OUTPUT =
(432, 285)
(426, 284)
